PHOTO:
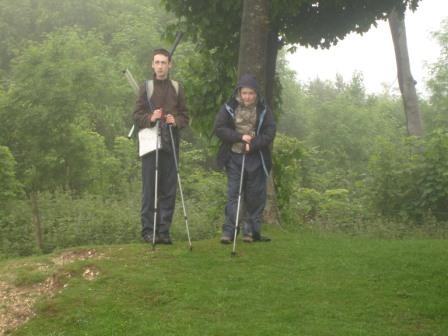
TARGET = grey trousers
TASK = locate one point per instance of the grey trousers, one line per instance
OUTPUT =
(253, 197)
(167, 187)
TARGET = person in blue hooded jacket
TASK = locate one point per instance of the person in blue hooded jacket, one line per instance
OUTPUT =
(245, 125)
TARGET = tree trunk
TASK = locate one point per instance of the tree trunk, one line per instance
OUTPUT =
(272, 212)
(405, 79)
(271, 64)
(36, 220)
(255, 58)
(254, 41)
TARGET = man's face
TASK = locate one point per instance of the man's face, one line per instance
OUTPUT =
(161, 66)
(248, 96)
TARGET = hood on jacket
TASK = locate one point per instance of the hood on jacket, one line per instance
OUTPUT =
(248, 81)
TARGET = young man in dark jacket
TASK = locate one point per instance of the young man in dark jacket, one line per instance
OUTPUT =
(168, 101)
(245, 125)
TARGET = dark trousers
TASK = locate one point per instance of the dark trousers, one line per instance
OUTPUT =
(167, 185)
(253, 196)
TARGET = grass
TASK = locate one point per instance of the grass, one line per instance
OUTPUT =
(299, 284)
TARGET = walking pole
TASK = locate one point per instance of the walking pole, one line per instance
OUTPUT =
(238, 207)
(156, 184)
(180, 186)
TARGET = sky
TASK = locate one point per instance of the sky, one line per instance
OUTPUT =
(373, 53)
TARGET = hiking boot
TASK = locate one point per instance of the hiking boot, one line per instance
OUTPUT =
(226, 239)
(259, 238)
(148, 238)
(165, 239)
(248, 239)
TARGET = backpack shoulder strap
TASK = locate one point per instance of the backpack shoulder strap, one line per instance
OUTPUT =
(149, 85)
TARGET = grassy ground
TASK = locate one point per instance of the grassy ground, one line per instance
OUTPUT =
(299, 284)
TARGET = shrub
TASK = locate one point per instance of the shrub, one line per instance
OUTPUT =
(409, 179)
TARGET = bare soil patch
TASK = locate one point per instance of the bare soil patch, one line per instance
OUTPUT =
(17, 302)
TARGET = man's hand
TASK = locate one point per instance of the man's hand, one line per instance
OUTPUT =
(247, 138)
(170, 120)
(156, 115)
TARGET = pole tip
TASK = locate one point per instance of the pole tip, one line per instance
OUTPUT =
(233, 254)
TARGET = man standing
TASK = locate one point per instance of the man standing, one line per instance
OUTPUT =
(163, 100)
(246, 126)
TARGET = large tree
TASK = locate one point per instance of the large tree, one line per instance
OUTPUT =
(405, 80)
(254, 39)
(266, 26)
(216, 25)
(253, 59)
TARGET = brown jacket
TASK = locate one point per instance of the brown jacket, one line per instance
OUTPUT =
(164, 96)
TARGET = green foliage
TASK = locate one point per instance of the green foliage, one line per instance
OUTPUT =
(296, 21)
(204, 194)
(208, 84)
(88, 220)
(337, 124)
(433, 175)
(10, 185)
(70, 221)
(64, 107)
(214, 27)
(132, 27)
(107, 210)
(16, 231)
(339, 209)
(76, 86)
(291, 113)
(346, 121)
(304, 204)
(391, 179)
(325, 23)
(356, 144)
(92, 167)
(302, 197)
(409, 179)
(289, 173)
(10, 193)
(127, 167)
(437, 114)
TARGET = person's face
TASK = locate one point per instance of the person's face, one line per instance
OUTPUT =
(248, 96)
(161, 66)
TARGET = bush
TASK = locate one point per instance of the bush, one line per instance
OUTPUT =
(409, 179)
(73, 219)
(17, 236)
(204, 195)
(10, 186)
